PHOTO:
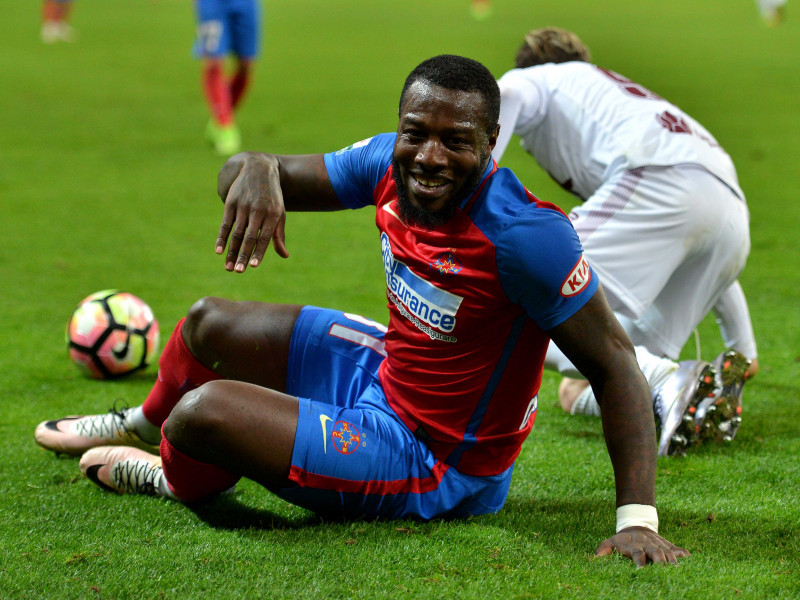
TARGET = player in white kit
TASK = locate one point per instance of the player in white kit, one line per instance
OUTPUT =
(772, 11)
(664, 221)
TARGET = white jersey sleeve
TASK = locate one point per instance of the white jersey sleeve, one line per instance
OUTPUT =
(584, 124)
(520, 103)
(733, 318)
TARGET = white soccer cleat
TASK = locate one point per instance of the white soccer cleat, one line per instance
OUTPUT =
(51, 32)
(125, 470)
(774, 17)
(75, 435)
(675, 404)
(57, 31)
(66, 33)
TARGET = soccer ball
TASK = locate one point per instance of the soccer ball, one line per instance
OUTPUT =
(112, 333)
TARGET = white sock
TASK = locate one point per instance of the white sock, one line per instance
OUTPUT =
(162, 489)
(556, 360)
(656, 371)
(144, 429)
(585, 404)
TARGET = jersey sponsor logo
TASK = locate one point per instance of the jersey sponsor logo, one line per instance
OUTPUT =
(447, 264)
(345, 437)
(578, 279)
(429, 308)
(354, 146)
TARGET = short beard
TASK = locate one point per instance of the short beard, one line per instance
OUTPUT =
(417, 216)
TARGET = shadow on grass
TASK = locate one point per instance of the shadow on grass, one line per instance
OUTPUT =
(226, 512)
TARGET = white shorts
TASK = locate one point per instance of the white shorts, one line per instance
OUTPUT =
(666, 242)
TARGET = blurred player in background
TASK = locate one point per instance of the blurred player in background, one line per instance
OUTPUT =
(480, 9)
(55, 21)
(226, 28)
(663, 221)
(425, 418)
(772, 11)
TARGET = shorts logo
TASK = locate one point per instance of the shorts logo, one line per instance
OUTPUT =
(345, 437)
(323, 420)
(578, 279)
(447, 264)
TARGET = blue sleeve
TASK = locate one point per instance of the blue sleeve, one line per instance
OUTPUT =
(356, 170)
(542, 268)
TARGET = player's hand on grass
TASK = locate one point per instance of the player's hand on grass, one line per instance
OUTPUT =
(249, 185)
(642, 545)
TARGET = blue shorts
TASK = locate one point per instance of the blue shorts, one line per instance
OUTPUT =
(227, 26)
(353, 457)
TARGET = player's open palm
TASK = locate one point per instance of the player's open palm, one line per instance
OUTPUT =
(642, 545)
(249, 185)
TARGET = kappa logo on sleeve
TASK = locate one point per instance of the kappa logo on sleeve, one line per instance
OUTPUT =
(578, 279)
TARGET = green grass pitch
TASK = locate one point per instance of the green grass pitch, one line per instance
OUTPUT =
(105, 181)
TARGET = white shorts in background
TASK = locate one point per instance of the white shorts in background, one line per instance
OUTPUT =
(666, 242)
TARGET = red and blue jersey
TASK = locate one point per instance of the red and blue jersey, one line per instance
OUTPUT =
(470, 303)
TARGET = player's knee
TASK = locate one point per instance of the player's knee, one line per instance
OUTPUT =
(199, 418)
(205, 322)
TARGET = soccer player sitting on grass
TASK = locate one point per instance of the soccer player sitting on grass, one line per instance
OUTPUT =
(425, 418)
(664, 223)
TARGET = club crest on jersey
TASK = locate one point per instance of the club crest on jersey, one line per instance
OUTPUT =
(345, 437)
(430, 309)
(447, 264)
(578, 279)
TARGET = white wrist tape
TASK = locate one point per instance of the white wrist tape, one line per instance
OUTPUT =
(637, 515)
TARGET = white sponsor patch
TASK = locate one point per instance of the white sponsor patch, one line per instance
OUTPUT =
(578, 279)
(427, 306)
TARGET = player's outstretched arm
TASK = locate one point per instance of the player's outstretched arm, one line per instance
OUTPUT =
(257, 190)
(598, 346)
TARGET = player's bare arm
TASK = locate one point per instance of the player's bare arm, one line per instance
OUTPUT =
(600, 349)
(257, 190)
